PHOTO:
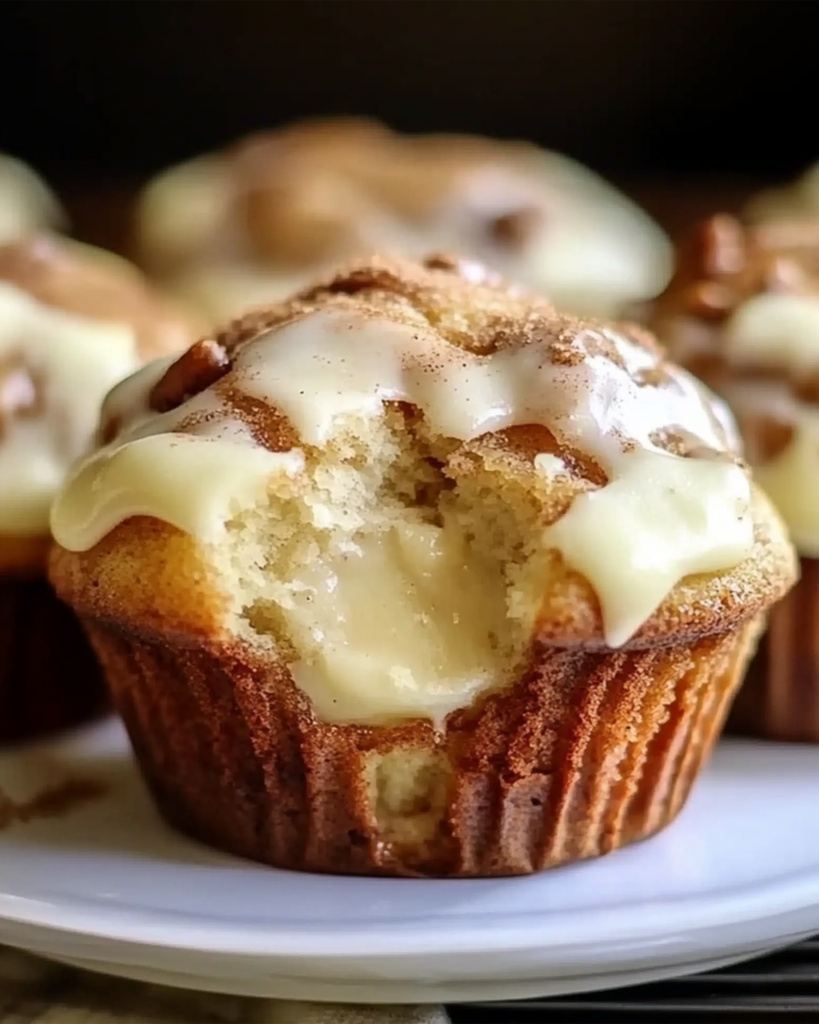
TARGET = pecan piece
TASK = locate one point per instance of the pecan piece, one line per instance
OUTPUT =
(202, 365)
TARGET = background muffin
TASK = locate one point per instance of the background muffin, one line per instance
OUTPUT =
(26, 202)
(795, 200)
(254, 222)
(413, 575)
(73, 322)
(743, 313)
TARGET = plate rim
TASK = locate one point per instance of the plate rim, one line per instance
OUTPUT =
(680, 920)
(390, 940)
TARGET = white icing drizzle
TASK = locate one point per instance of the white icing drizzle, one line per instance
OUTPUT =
(72, 362)
(660, 517)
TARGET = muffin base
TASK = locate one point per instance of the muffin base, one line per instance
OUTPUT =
(779, 699)
(49, 677)
(589, 751)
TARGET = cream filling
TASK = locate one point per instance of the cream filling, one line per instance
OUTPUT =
(792, 482)
(659, 519)
(72, 362)
(399, 624)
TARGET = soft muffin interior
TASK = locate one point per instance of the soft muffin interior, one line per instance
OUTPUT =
(398, 582)
(393, 589)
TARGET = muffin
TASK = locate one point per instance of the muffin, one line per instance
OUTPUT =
(412, 575)
(73, 322)
(794, 201)
(743, 314)
(252, 223)
(26, 203)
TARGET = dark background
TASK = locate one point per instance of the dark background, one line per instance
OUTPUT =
(654, 88)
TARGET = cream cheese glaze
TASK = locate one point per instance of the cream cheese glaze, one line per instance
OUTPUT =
(660, 518)
(771, 334)
(60, 367)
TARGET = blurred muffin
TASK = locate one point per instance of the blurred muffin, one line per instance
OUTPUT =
(743, 313)
(411, 575)
(796, 200)
(26, 203)
(258, 220)
(73, 322)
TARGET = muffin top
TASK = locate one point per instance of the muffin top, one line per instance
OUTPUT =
(26, 204)
(291, 202)
(742, 312)
(73, 321)
(604, 473)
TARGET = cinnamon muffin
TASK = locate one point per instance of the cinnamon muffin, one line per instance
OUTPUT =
(412, 575)
(743, 313)
(26, 203)
(253, 223)
(73, 321)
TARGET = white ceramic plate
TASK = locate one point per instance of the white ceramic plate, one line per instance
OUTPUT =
(104, 884)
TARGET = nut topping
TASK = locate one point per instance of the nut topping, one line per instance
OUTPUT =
(202, 365)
